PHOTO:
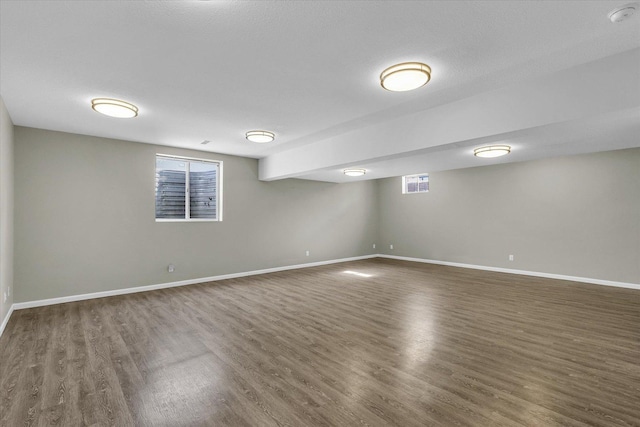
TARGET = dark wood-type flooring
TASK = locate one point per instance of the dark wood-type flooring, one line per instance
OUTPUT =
(411, 345)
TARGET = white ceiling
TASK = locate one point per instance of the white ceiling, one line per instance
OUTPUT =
(549, 78)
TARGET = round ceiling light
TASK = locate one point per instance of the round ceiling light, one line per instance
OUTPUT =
(622, 13)
(405, 76)
(354, 172)
(114, 108)
(492, 151)
(260, 136)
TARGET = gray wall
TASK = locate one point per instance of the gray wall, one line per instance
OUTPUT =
(6, 211)
(85, 219)
(577, 216)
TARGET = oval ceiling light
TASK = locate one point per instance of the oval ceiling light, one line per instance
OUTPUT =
(492, 151)
(622, 13)
(260, 136)
(405, 76)
(354, 172)
(114, 108)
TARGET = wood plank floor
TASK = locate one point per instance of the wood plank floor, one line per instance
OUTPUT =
(407, 345)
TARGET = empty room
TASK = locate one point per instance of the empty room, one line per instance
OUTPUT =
(319, 213)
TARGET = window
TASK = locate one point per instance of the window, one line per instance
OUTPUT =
(188, 189)
(415, 183)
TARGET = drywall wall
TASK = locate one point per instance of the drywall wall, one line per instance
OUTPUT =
(85, 219)
(576, 216)
(6, 211)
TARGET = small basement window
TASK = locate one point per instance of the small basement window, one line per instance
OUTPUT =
(415, 183)
(188, 189)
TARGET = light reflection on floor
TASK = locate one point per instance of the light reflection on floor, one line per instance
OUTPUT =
(419, 330)
(355, 273)
(196, 386)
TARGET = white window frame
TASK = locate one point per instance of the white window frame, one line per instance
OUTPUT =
(418, 175)
(187, 204)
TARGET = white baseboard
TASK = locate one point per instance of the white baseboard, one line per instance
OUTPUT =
(81, 297)
(6, 319)
(520, 272)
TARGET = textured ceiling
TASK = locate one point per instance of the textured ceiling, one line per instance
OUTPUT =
(309, 72)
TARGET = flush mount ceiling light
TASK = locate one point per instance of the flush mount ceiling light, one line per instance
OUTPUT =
(354, 172)
(405, 76)
(114, 108)
(260, 136)
(492, 151)
(622, 13)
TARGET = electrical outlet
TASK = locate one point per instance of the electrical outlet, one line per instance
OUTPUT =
(5, 297)
(510, 257)
(390, 246)
(9, 291)
(307, 253)
(374, 246)
(171, 268)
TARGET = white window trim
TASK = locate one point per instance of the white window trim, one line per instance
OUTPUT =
(187, 207)
(404, 183)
